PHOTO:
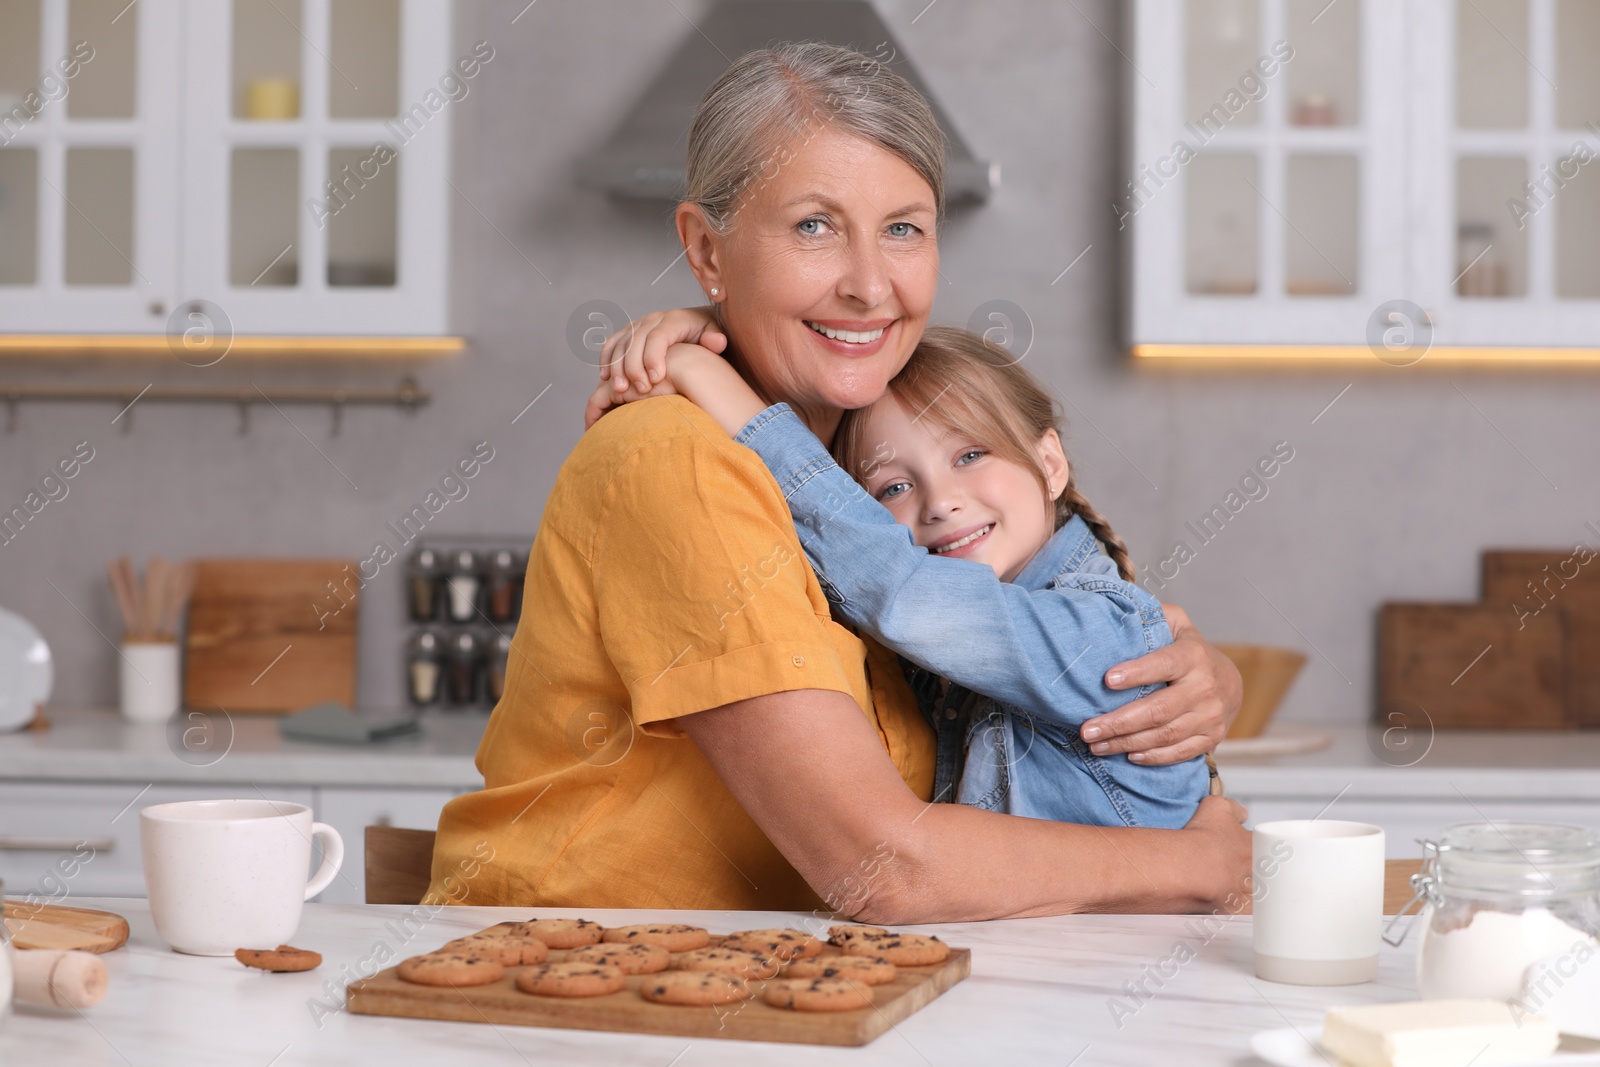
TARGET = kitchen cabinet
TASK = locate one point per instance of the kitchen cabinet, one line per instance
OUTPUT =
(351, 811)
(61, 840)
(1403, 178)
(206, 168)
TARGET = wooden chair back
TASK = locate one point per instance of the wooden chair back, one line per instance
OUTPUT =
(399, 864)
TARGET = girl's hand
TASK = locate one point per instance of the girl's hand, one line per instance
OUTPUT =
(693, 371)
(642, 345)
(1179, 722)
(604, 398)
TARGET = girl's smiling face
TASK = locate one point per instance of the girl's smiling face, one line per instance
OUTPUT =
(957, 497)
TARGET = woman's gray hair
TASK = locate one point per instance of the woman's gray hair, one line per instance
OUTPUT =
(770, 102)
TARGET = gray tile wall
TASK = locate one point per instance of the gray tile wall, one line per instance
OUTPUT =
(1391, 494)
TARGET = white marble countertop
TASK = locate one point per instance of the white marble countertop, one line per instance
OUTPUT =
(1041, 992)
(97, 744)
(1443, 764)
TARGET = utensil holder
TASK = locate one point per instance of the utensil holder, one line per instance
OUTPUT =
(150, 683)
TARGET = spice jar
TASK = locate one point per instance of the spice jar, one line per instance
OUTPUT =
(504, 585)
(424, 667)
(422, 587)
(499, 657)
(1501, 896)
(464, 667)
(465, 585)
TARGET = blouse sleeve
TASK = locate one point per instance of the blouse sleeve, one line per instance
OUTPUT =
(703, 594)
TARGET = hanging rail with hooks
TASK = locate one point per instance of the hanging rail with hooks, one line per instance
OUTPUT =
(408, 396)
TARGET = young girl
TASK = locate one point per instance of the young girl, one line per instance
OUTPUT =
(985, 570)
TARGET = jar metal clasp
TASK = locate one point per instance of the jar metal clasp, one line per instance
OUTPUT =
(1425, 883)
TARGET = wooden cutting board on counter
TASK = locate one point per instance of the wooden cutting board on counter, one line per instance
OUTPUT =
(55, 926)
(1548, 591)
(271, 634)
(627, 1012)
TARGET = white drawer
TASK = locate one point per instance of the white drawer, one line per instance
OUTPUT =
(61, 840)
(351, 811)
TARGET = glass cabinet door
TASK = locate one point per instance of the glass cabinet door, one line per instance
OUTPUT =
(86, 214)
(1511, 255)
(1266, 194)
(329, 130)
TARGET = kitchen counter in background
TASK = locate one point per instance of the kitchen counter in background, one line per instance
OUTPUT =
(97, 744)
(86, 778)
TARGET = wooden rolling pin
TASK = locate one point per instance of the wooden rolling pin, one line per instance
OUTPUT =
(59, 979)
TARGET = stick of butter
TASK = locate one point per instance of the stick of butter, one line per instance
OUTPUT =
(1436, 1033)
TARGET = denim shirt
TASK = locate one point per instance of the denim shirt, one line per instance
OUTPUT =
(1025, 659)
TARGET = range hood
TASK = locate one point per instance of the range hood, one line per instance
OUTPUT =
(644, 158)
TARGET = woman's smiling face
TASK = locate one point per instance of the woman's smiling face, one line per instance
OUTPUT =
(840, 241)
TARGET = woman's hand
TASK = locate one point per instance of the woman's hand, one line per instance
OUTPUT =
(1181, 721)
(644, 342)
(1222, 859)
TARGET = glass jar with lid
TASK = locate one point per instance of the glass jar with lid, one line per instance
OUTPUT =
(1500, 897)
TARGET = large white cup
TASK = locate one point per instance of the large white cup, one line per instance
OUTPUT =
(230, 874)
(1318, 910)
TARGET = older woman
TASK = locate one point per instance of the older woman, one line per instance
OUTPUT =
(684, 726)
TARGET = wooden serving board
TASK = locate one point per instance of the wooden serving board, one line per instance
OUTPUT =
(271, 634)
(627, 1012)
(1470, 667)
(1546, 590)
(59, 927)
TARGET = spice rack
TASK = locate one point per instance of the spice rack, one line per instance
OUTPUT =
(463, 598)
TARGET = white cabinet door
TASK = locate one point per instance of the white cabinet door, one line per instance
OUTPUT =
(1423, 174)
(351, 811)
(331, 217)
(60, 841)
(1266, 190)
(1506, 172)
(88, 158)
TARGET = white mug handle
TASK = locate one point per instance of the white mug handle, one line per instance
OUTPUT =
(332, 858)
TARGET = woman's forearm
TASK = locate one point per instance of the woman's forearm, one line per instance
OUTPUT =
(811, 770)
(960, 864)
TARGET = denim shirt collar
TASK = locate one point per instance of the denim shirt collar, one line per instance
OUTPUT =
(1067, 550)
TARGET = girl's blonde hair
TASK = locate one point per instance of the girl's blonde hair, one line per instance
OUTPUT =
(771, 101)
(965, 385)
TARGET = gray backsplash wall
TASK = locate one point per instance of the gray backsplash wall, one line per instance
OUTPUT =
(1391, 493)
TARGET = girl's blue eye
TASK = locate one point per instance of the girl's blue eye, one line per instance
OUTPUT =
(972, 452)
(888, 492)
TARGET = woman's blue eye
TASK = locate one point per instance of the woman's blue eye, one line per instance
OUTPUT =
(806, 222)
(909, 227)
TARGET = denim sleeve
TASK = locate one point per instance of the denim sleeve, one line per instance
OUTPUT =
(1046, 650)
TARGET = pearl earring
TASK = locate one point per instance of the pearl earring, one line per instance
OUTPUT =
(715, 290)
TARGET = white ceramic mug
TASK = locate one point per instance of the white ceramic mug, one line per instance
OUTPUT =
(1318, 908)
(229, 874)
